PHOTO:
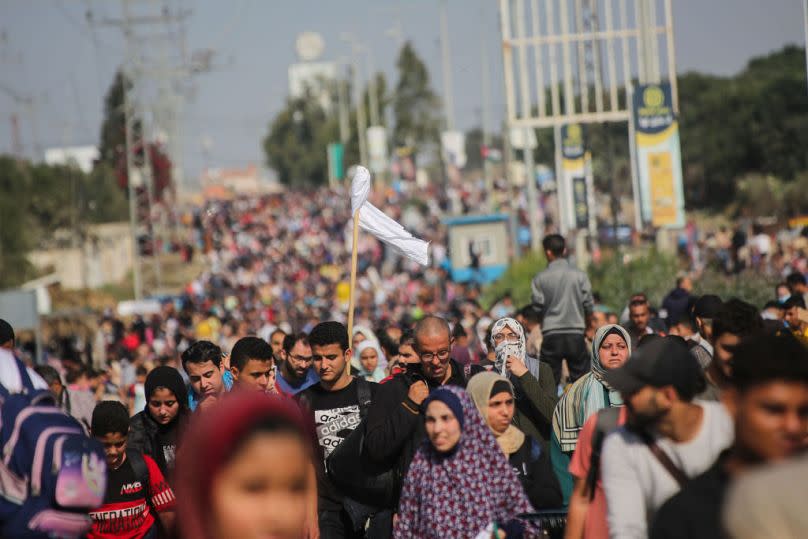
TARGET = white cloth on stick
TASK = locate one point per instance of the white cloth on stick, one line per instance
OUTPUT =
(373, 220)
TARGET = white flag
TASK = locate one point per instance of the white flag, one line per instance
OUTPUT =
(373, 220)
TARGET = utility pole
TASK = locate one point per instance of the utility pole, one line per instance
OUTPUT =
(373, 95)
(448, 104)
(361, 125)
(29, 104)
(361, 122)
(805, 26)
(486, 114)
(169, 78)
(130, 183)
(342, 98)
(16, 141)
(137, 140)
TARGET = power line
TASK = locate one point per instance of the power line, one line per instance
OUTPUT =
(85, 31)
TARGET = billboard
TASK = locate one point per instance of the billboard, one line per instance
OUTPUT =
(336, 162)
(453, 144)
(479, 247)
(659, 160)
(573, 174)
(377, 148)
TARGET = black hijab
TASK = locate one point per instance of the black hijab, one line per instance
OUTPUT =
(169, 378)
(167, 436)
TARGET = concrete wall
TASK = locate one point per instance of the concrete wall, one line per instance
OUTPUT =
(106, 257)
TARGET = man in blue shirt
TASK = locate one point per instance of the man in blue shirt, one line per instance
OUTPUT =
(295, 373)
(209, 379)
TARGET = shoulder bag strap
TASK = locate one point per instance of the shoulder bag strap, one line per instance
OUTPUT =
(666, 462)
(363, 395)
(605, 423)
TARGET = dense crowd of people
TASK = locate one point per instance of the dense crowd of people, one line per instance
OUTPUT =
(246, 409)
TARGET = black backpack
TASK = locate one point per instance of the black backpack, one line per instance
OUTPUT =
(141, 469)
(138, 463)
(351, 471)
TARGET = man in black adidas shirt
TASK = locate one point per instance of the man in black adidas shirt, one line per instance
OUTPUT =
(334, 404)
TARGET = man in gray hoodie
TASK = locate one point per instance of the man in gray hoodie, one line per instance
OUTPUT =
(564, 294)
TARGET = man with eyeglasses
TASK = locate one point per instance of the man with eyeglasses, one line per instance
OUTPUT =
(395, 427)
(295, 373)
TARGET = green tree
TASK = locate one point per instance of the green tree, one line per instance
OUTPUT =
(297, 141)
(16, 237)
(474, 145)
(37, 200)
(415, 106)
(112, 147)
(755, 122)
(382, 95)
(100, 198)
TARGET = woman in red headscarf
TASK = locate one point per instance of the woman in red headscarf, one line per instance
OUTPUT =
(243, 470)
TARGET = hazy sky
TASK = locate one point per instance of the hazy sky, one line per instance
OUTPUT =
(48, 51)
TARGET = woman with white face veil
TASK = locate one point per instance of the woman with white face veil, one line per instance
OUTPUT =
(535, 390)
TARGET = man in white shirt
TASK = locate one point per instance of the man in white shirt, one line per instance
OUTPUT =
(669, 437)
(9, 370)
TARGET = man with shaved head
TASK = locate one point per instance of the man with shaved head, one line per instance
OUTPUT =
(433, 342)
(395, 427)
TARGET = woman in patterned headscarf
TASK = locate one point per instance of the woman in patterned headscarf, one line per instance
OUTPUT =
(460, 483)
(534, 387)
(611, 347)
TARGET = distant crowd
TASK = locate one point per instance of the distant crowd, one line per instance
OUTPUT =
(246, 407)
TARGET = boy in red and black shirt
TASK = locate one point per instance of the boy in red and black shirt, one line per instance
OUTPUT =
(137, 492)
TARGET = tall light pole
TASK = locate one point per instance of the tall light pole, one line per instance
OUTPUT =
(342, 98)
(361, 122)
(805, 25)
(486, 113)
(130, 181)
(358, 48)
(448, 103)
(372, 90)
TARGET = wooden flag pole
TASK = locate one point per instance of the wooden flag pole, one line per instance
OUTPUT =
(352, 299)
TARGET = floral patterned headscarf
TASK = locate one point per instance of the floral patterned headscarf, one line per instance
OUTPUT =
(459, 494)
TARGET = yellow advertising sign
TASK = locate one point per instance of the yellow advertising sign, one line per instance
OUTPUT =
(659, 161)
(664, 210)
